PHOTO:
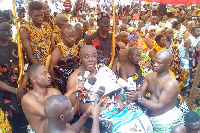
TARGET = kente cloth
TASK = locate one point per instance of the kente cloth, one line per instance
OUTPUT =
(139, 75)
(157, 48)
(181, 104)
(165, 122)
(131, 119)
(40, 40)
(142, 45)
(57, 34)
(177, 65)
(68, 51)
(4, 124)
(29, 129)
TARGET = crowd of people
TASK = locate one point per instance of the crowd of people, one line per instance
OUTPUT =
(74, 81)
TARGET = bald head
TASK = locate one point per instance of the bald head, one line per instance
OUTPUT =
(54, 105)
(165, 55)
(123, 27)
(60, 17)
(61, 20)
(169, 31)
(87, 48)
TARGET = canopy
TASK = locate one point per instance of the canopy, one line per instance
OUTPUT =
(174, 2)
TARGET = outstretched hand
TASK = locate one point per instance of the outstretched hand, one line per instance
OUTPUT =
(132, 95)
(20, 93)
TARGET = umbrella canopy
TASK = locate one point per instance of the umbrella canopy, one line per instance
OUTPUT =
(174, 2)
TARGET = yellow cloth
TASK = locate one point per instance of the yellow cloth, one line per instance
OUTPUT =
(40, 40)
(4, 124)
(68, 51)
(57, 34)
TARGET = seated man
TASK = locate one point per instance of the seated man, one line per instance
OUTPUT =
(102, 74)
(59, 112)
(163, 88)
(65, 48)
(191, 125)
(33, 101)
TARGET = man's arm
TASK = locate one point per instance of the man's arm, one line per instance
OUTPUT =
(18, 91)
(168, 94)
(114, 65)
(53, 45)
(72, 86)
(152, 54)
(29, 103)
(55, 58)
(122, 73)
(179, 129)
(24, 35)
(79, 124)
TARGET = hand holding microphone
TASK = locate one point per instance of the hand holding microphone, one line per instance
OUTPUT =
(100, 93)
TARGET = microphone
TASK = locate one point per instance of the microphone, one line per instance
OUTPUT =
(80, 76)
(100, 93)
(80, 79)
(88, 84)
(132, 84)
(122, 83)
(86, 74)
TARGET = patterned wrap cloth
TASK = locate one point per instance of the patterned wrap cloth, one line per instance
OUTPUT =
(4, 124)
(131, 119)
(165, 122)
(68, 51)
(40, 40)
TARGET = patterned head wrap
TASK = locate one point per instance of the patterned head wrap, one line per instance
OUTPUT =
(131, 37)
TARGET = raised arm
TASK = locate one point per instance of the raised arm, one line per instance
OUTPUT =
(24, 35)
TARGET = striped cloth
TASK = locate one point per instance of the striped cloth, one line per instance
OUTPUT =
(131, 119)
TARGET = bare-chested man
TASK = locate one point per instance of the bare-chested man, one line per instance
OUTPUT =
(163, 88)
(33, 101)
(59, 112)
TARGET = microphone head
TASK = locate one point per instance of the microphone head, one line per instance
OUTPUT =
(92, 80)
(101, 91)
(80, 76)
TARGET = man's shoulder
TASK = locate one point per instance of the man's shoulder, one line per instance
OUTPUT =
(53, 91)
(151, 75)
(27, 98)
(179, 129)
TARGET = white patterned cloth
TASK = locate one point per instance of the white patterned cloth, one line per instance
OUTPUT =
(165, 122)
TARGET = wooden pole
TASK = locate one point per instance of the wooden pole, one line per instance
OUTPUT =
(113, 37)
(20, 54)
(194, 88)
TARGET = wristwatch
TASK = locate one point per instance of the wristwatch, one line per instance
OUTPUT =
(140, 99)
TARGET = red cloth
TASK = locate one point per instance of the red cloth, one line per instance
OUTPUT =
(173, 2)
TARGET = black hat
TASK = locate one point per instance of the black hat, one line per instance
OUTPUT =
(102, 15)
